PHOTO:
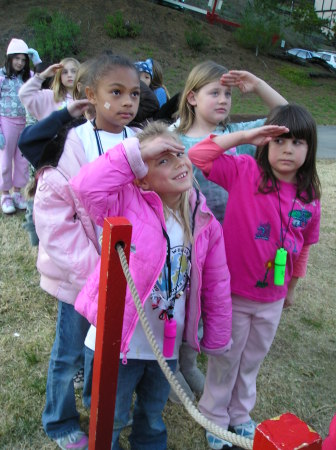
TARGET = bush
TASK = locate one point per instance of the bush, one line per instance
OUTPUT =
(196, 39)
(117, 27)
(257, 31)
(55, 36)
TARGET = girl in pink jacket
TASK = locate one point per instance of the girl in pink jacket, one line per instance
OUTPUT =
(42, 102)
(148, 179)
(69, 248)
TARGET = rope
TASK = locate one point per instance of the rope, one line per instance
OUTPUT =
(187, 403)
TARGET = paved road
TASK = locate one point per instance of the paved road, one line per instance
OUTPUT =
(326, 142)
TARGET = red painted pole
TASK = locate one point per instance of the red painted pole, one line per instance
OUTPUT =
(111, 303)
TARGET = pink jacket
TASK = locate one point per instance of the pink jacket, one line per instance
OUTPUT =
(68, 249)
(106, 188)
(40, 102)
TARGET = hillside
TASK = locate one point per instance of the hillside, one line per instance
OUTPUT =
(163, 38)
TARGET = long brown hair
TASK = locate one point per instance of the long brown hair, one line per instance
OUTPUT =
(10, 72)
(301, 125)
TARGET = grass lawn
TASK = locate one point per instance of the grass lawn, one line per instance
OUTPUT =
(298, 375)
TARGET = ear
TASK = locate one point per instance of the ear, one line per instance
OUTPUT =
(191, 98)
(90, 94)
(143, 184)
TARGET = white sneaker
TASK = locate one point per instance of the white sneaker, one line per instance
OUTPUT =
(19, 200)
(75, 440)
(246, 429)
(7, 204)
(215, 442)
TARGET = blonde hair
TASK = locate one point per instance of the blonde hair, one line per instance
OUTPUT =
(201, 75)
(59, 90)
(80, 83)
(150, 131)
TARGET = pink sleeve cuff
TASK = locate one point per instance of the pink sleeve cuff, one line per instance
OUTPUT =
(300, 265)
(132, 149)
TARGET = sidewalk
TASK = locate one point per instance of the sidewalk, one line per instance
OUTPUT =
(326, 142)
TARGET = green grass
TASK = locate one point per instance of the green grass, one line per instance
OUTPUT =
(297, 376)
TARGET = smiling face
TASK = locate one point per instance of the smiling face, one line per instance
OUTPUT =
(116, 98)
(19, 61)
(169, 175)
(68, 75)
(286, 156)
(212, 103)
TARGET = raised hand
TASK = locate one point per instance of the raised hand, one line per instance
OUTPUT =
(51, 70)
(263, 135)
(243, 80)
(153, 148)
(78, 107)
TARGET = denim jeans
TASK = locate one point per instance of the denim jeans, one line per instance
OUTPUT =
(145, 378)
(60, 416)
(88, 372)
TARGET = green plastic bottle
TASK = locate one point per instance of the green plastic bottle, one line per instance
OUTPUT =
(280, 267)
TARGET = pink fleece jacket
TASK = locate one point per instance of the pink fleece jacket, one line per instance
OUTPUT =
(106, 188)
(40, 102)
(68, 249)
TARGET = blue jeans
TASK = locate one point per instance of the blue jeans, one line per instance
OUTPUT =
(60, 416)
(88, 373)
(152, 389)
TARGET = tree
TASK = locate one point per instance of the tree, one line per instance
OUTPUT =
(304, 18)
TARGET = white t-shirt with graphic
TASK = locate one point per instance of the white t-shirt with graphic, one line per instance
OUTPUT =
(158, 301)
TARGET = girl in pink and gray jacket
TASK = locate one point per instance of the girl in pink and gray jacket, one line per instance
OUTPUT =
(148, 179)
(42, 102)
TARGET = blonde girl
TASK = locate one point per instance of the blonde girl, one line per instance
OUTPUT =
(148, 179)
(40, 103)
(204, 109)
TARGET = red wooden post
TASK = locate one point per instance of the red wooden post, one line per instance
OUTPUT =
(286, 432)
(112, 290)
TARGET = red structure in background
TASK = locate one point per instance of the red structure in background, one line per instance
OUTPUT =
(286, 432)
(112, 291)
(214, 17)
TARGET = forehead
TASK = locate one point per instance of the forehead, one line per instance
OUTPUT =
(19, 56)
(121, 76)
(214, 85)
(69, 66)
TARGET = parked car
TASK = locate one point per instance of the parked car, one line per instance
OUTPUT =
(330, 58)
(302, 53)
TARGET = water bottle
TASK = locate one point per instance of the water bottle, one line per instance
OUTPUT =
(280, 267)
(169, 337)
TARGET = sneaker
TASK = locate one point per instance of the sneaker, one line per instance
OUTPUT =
(215, 442)
(76, 440)
(78, 379)
(246, 429)
(7, 204)
(19, 200)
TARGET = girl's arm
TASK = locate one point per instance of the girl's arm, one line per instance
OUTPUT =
(299, 271)
(61, 231)
(203, 154)
(247, 82)
(34, 137)
(216, 295)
